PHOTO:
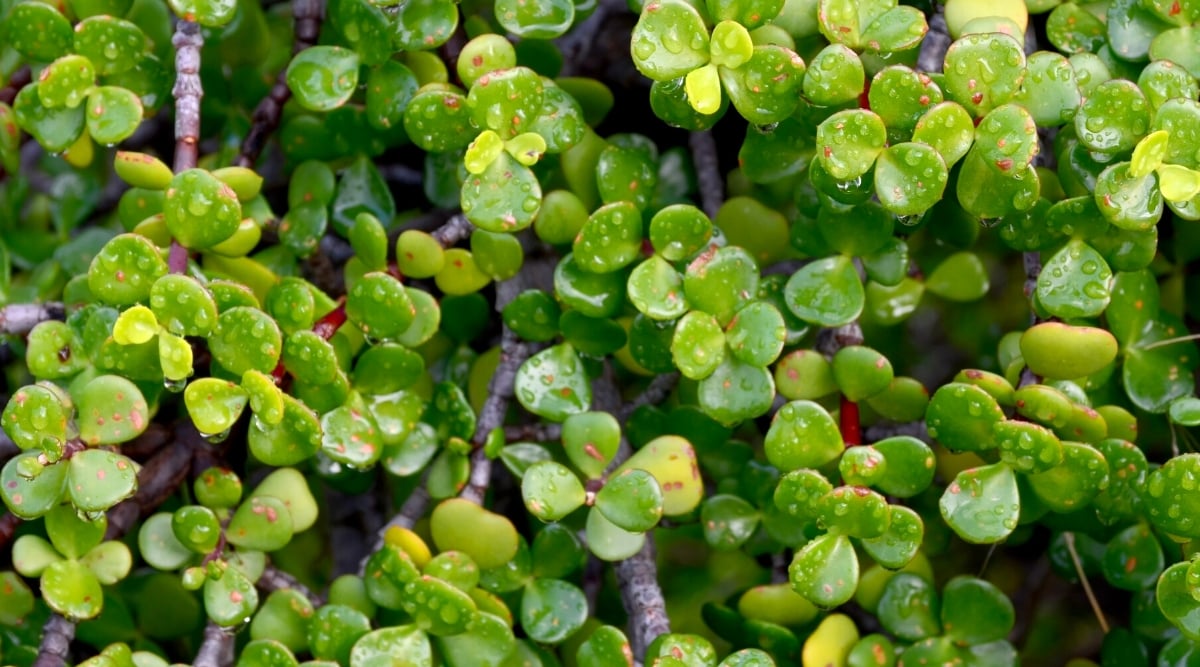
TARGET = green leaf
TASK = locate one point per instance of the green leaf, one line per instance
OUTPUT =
(552, 384)
(1168, 499)
(37, 415)
(135, 326)
(323, 78)
(910, 178)
(99, 479)
(982, 505)
(424, 24)
(540, 20)
(736, 391)
(1049, 91)
(835, 76)
(385, 644)
(825, 571)
(209, 13)
(158, 545)
(591, 440)
(66, 82)
(113, 114)
(30, 498)
(109, 561)
(909, 608)
(669, 40)
(246, 339)
(505, 197)
(55, 129)
(461, 525)
(756, 334)
(975, 612)
(1073, 29)
(610, 239)
(1133, 559)
(984, 71)
(38, 31)
(231, 599)
(849, 141)
(262, 523)
(1175, 600)
(552, 610)
(608, 541)
(71, 535)
(70, 589)
(728, 520)
(961, 417)
(827, 292)
(802, 435)
(16, 600)
(861, 372)
(632, 500)
(899, 544)
(201, 211)
(1057, 350)
(605, 647)
(551, 491)
(854, 511)
(111, 411)
(764, 90)
(672, 461)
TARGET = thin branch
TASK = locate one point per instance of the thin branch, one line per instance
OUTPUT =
(829, 341)
(157, 480)
(306, 17)
(915, 429)
(1167, 341)
(577, 44)
(932, 56)
(187, 92)
(56, 642)
(513, 353)
(1069, 538)
(637, 577)
(20, 318)
(275, 579)
(456, 229)
(217, 648)
(656, 392)
(8, 527)
(20, 78)
(535, 432)
(708, 171)
(413, 509)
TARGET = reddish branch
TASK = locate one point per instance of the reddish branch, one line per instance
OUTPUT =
(8, 527)
(829, 341)
(20, 78)
(306, 16)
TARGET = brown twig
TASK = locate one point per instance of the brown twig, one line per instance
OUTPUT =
(535, 432)
(1069, 538)
(413, 509)
(157, 480)
(656, 392)
(20, 318)
(306, 20)
(187, 92)
(56, 642)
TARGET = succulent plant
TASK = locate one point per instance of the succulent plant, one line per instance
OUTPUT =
(411, 343)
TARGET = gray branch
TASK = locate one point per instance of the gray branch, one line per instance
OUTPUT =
(642, 598)
(217, 648)
(708, 171)
(413, 509)
(56, 642)
(656, 392)
(20, 318)
(456, 229)
(274, 579)
(933, 48)
(187, 92)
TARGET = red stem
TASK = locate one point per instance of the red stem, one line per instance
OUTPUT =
(850, 425)
(328, 325)
(178, 259)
